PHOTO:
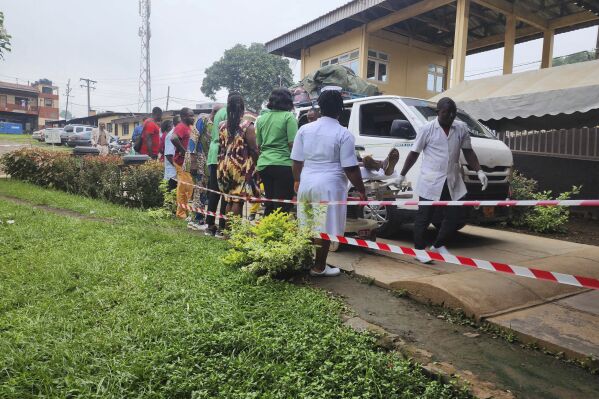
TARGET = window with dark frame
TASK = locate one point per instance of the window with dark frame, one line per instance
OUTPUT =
(349, 59)
(377, 66)
(376, 118)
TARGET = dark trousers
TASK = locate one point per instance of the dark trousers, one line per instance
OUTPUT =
(172, 184)
(451, 218)
(213, 199)
(278, 184)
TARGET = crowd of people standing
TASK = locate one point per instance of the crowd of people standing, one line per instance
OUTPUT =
(237, 154)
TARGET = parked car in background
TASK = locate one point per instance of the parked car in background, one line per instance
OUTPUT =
(80, 139)
(38, 135)
(48, 132)
(70, 130)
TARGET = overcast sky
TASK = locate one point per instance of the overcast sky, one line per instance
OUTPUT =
(62, 39)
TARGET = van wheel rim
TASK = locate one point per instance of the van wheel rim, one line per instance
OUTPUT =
(376, 213)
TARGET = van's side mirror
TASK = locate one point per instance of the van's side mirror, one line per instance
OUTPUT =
(402, 129)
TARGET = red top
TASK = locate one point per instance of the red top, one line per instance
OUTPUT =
(152, 129)
(183, 132)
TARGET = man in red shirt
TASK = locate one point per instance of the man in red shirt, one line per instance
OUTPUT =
(150, 135)
(180, 140)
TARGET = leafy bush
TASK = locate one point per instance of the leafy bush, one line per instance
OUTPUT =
(275, 246)
(542, 219)
(169, 205)
(102, 177)
(538, 219)
(141, 185)
(523, 188)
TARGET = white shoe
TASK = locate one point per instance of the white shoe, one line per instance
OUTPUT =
(424, 259)
(327, 272)
(441, 250)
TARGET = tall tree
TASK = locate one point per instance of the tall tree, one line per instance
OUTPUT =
(250, 71)
(4, 37)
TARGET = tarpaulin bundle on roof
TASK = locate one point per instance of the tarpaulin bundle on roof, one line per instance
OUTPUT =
(335, 75)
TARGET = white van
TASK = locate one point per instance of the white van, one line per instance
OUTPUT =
(382, 122)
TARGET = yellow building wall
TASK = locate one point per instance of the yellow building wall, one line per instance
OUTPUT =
(407, 67)
(336, 46)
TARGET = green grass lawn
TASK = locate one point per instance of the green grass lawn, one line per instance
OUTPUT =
(17, 138)
(128, 307)
(26, 139)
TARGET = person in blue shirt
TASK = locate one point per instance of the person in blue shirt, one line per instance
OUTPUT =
(137, 131)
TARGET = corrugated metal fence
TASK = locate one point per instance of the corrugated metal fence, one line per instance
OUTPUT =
(572, 143)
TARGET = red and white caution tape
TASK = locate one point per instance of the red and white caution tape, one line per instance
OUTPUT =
(537, 274)
(561, 278)
(202, 211)
(499, 203)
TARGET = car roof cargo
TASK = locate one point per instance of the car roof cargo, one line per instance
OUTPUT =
(308, 89)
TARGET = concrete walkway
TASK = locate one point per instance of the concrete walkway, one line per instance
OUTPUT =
(558, 317)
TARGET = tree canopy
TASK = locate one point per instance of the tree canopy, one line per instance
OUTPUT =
(250, 71)
(66, 115)
(4, 37)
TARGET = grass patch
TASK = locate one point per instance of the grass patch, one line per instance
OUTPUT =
(17, 138)
(131, 309)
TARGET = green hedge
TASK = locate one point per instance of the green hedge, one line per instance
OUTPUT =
(104, 177)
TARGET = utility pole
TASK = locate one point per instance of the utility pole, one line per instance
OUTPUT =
(597, 46)
(89, 85)
(168, 97)
(145, 83)
(68, 94)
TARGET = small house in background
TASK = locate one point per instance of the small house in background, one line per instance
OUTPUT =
(415, 47)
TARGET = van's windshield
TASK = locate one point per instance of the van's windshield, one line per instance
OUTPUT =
(426, 111)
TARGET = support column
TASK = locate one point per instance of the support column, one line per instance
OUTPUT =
(547, 58)
(460, 43)
(510, 41)
(364, 51)
(303, 66)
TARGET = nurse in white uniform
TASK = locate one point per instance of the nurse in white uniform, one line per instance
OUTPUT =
(324, 160)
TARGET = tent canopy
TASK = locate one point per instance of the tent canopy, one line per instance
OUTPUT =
(559, 91)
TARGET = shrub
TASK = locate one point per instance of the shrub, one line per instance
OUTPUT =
(552, 219)
(102, 177)
(141, 185)
(275, 246)
(538, 219)
(169, 205)
(523, 188)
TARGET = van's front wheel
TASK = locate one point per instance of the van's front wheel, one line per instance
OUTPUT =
(386, 218)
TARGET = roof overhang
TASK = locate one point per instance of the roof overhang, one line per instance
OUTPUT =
(433, 21)
(566, 89)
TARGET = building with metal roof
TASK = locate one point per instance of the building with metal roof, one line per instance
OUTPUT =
(411, 47)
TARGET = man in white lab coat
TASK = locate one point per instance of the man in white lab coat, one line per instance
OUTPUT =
(440, 179)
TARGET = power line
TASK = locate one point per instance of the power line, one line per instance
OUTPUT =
(119, 105)
(89, 84)
(68, 94)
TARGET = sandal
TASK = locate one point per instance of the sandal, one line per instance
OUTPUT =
(391, 161)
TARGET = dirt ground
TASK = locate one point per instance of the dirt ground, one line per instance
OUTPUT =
(524, 372)
(579, 229)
